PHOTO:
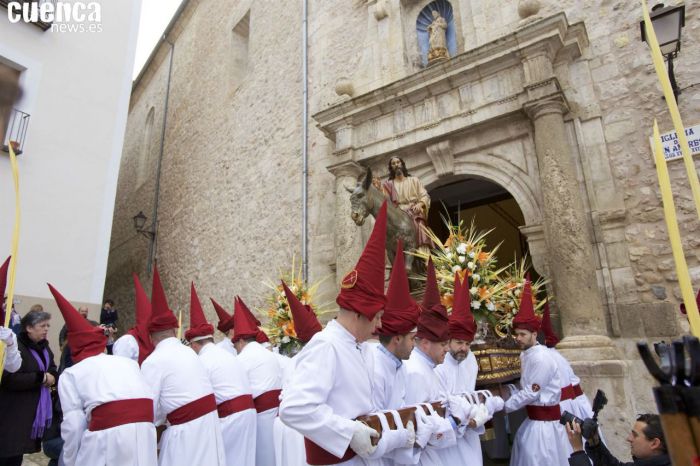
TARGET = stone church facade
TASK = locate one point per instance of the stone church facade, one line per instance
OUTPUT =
(552, 101)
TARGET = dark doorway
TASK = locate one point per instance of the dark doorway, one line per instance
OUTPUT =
(490, 206)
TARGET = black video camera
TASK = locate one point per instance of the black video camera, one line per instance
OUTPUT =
(589, 426)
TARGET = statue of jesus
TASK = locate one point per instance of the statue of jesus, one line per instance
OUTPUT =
(408, 193)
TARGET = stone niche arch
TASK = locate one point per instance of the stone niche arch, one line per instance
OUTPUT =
(423, 21)
(522, 193)
(410, 12)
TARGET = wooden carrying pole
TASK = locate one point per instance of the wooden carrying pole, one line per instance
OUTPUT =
(406, 414)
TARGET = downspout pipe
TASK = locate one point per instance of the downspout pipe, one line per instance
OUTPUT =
(156, 200)
(305, 144)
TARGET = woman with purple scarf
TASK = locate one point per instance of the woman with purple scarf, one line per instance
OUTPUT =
(25, 396)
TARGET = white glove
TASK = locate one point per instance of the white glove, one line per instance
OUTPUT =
(390, 439)
(411, 437)
(494, 404)
(481, 416)
(361, 442)
(424, 428)
(8, 336)
(459, 407)
(13, 360)
(443, 433)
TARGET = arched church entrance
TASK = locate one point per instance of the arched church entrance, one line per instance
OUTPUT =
(490, 206)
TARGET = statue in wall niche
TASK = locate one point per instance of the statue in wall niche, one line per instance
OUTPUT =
(437, 31)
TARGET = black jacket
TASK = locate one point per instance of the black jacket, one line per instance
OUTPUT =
(109, 317)
(601, 456)
(19, 396)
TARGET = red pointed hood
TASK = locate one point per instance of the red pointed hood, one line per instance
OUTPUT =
(401, 312)
(462, 324)
(225, 319)
(199, 327)
(526, 318)
(431, 297)
(245, 325)
(3, 284)
(683, 309)
(261, 337)
(550, 338)
(3, 276)
(143, 315)
(306, 324)
(433, 322)
(84, 340)
(362, 289)
(162, 318)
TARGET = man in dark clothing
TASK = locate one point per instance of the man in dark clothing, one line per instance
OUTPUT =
(108, 319)
(646, 440)
(109, 314)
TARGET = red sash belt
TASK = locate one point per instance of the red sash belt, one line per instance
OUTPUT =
(577, 390)
(120, 412)
(235, 405)
(316, 455)
(567, 393)
(543, 413)
(267, 400)
(192, 410)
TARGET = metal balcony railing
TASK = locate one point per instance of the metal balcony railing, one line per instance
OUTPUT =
(39, 23)
(16, 131)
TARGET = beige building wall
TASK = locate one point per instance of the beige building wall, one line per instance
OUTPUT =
(229, 212)
(76, 89)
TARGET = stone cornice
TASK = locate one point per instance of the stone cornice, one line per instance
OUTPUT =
(347, 168)
(544, 105)
(553, 35)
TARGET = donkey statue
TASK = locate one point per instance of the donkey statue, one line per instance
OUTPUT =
(365, 199)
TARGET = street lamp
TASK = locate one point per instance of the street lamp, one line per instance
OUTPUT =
(140, 222)
(667, 22)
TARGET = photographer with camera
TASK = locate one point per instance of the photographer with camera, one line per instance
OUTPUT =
(646, 440)
(108, 320)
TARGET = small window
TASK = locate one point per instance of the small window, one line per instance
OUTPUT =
(13, 122)
(239, 53)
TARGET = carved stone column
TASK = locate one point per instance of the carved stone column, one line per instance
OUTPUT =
(567, 233)
(348, 236)
(572, 268)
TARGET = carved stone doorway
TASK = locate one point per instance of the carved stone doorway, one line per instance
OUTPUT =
(489, 206)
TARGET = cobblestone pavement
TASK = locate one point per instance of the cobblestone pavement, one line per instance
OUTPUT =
(35, 459)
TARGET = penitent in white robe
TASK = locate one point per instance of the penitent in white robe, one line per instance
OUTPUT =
(177, 377)
(579, 406)
(227, 344)
(264, 374)
(389, 393)
(126, 346)
(92, 382)
(458, 378)
(423, 386)
(289, 444)
(330, 387)
(229, 380)
(388, 380)
(538, 442)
